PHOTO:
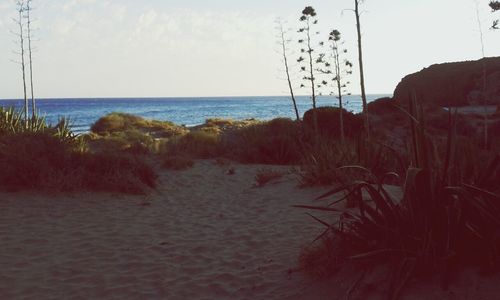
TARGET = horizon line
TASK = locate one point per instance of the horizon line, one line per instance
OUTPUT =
(179, 97)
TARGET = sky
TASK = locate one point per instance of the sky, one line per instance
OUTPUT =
(196, 48)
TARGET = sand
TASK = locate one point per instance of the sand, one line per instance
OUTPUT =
(203, 234)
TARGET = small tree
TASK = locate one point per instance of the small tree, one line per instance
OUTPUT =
(20, 8)
(283, 42)
(341, 69)
(309, 19)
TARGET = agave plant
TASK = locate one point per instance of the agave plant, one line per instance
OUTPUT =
(63, 129)
(436, 223)
(12, 121)
(37, 123)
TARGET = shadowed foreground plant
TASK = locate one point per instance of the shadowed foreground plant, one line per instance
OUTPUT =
(437, 225)
(321, 161)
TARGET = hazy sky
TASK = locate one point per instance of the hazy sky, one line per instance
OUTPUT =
(161, 48)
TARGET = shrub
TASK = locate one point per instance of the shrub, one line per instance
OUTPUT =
(329, 122)
(217, 122)
(248, 141)
(197, 143)
(177, 162)
(132, 141)
(26, 159)
(122, 122)
(43, 161)
(106, 172)
(273, 142)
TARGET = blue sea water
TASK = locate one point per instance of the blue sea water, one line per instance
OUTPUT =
(183, 111)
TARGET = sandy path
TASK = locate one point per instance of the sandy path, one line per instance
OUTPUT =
(202, 235)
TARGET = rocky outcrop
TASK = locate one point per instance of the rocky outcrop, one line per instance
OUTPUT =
(453, 84)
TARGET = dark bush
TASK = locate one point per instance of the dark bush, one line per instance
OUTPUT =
(106, 172)
(329, 122)
(27, 159)
(42, 161)
(197, 143)
(273, 142)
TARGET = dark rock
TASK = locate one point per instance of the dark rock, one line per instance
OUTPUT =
(453, 84)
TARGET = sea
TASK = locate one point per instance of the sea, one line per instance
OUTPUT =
(83, 112)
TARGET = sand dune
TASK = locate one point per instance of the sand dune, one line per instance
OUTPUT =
(202, 235)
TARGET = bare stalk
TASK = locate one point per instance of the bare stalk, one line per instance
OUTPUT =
(19, 21)
(361, 69)
(313, 90)
(283, 42)
(28, 16)
(338, 79)
(483, 63)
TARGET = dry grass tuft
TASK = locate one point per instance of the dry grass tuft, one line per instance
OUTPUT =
(267, 175)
